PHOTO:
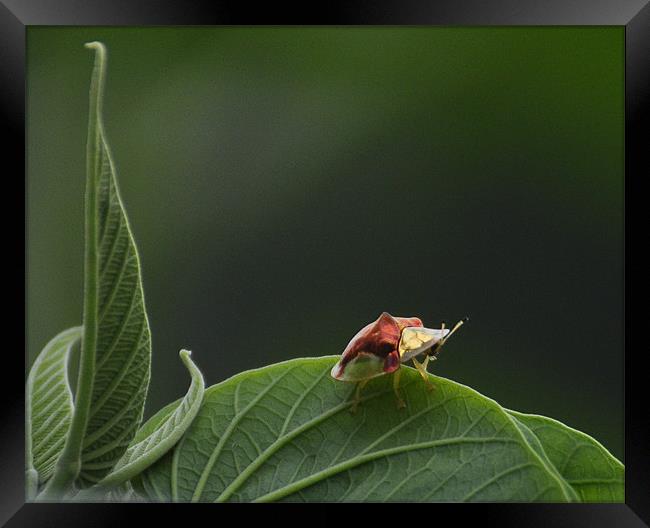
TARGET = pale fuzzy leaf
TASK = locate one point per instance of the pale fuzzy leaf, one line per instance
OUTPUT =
(123, 349)
(48, 404)
(285, 432)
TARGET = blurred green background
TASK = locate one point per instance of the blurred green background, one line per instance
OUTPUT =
(286, 185)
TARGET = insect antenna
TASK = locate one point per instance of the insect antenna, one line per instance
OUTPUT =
(436, 350)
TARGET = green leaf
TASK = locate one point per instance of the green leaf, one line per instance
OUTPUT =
(156, 438)
(284, 432)
(114, 367)
(48, 405)
(141, 484)
(584, 464)
(123, 345)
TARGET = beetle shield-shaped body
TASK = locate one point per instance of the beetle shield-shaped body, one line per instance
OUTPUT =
(380, 347)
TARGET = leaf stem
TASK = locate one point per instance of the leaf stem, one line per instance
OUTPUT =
(31, 475)
(69, 463)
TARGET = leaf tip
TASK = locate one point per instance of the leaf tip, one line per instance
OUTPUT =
(96, 45)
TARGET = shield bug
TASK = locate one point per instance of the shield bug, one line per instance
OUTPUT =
(382, 346)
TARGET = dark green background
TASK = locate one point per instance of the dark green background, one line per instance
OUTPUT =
(286, 185)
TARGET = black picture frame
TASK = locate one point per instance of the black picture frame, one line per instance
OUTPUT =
(634, 15)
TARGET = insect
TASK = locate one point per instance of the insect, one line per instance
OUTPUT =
(382, 346)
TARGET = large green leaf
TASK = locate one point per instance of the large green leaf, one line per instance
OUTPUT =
(584, 464)
(284, 432)
(48, 406)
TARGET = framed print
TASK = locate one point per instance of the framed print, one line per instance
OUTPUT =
(370, 255)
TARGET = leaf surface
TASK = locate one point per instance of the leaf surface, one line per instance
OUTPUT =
(284, 432)
(48, 404)
(583, 463)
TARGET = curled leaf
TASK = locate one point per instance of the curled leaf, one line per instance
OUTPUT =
(154, 439)
(48, 407)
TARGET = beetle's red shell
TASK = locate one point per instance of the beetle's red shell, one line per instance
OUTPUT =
(381, 339)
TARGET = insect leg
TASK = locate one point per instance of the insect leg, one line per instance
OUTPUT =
(432, 353)
(422, 369)
(400, 401)
(357, 396)
(425, 363)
